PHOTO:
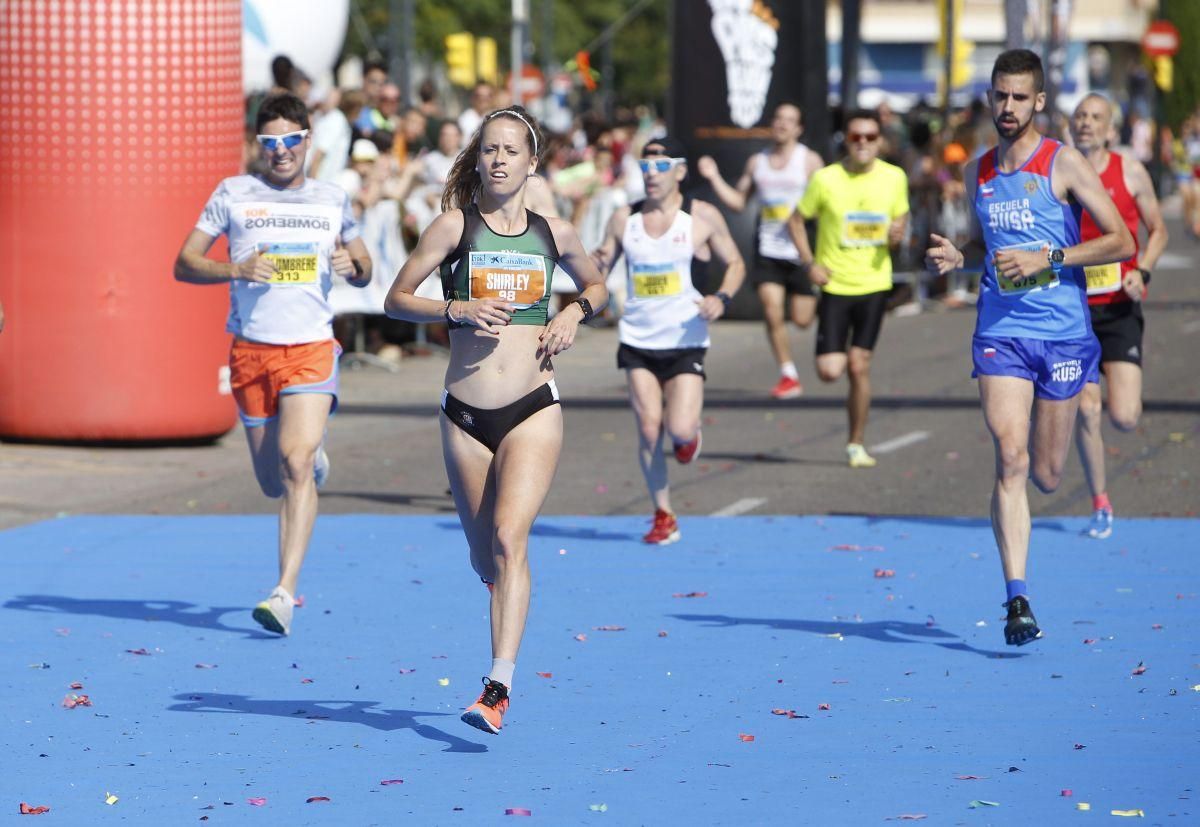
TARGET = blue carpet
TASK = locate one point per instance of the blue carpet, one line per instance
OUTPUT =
(651, 723)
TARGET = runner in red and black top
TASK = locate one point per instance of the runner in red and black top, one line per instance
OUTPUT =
(1115, 293)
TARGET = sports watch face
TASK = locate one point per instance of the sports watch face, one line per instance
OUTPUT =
(1057, 256)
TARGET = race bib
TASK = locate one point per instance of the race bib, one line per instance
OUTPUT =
(1103, 278)
(518, 278)
(1041, 280)
(776, 212)
(655, 281)
(295, 263)
(864, 229)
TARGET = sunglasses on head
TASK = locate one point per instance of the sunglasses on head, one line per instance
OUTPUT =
(862, 137)
(660, 164)
(289, 140)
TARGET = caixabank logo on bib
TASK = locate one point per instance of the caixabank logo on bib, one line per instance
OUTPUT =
(748, 34)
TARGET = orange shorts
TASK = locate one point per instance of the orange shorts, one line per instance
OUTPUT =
(260, 373)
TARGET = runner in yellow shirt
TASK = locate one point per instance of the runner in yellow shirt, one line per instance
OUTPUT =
(861, 207)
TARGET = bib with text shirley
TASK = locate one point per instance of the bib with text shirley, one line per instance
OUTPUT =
(295, 262)
(655, 281)
(864, 229)
(519, 278)
(1041, 280)
(1103, 278)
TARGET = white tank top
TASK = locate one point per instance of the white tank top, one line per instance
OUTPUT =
(661, 312)
(779, 190)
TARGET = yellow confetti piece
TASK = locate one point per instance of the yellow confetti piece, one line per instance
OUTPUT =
(443, 681)
(1196, 688)
(110, 799)
(1175, 437)
(1083, 805)
(1130, 813)
(835, 636)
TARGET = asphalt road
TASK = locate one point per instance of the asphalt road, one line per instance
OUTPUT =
(761, 456)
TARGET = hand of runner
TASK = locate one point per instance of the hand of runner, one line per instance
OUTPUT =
(1016, 263)
(486, 314)
(707, 167)
(818, 275)
(341, 261)
(711, 308)
(1134, 286)
(559, 333)
(942, 256)
(896, 232)
(256, 268)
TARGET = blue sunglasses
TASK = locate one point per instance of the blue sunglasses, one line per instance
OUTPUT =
(289, 140)
(660, 164)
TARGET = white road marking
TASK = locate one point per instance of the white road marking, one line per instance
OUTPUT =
(899, 442)
(739, 507)
(1174, 261)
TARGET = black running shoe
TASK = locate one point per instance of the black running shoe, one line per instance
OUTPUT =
(1021, 627)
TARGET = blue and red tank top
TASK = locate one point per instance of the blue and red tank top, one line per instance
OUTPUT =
(1020, 210)
(1105, 281)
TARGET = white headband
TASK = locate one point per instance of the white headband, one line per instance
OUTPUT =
(519, 117)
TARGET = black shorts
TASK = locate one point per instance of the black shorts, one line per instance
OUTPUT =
(839, 315)
(664, 364)
(491, 425)
(791, 275)
(1119, 327)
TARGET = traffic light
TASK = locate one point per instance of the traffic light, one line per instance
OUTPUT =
(460, 58)
(962, 71)
(485, 60)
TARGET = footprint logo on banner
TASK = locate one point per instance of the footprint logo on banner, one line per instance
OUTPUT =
(747, 33)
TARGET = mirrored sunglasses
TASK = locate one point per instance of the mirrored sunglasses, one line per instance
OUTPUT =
(659, 164)
(288, 140)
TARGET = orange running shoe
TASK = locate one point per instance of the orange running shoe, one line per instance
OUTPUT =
(685, 452)
(665, 529)
(487, 712)
(787, 388)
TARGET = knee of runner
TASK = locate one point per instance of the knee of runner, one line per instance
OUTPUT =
(1047, 479)
(650, 430)
(828, 374)
(509, 543)
(1125, 420)
(1089, 408)
(297, 464)
(1013, 458)
(859, 368)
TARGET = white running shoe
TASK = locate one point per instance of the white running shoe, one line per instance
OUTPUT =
(275, 613)
(858, 457)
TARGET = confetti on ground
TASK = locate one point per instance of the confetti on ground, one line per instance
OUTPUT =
(27, 810)
(662, 633)
(884, 573)
(1081, 746)
(138, 651)
(517, 811)
(609, 628)
(581, 637)
(1067, 793)
(598, 808)
(110, 799)
(443, 681)
(407, 671)
(912, 817)
(544, 674)
(1129, 813)
(744, 737)
(387, 782)
(299, 602)
(206, 666)
(970, 777)
(823, 707)
(690, 594)
(977, 803)
(257, 802)
(71, 701)
(311, 799)
(76, 685)
(852, 547)
(1083, 805)
(1140, 669)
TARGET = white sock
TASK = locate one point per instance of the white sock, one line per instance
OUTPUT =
(502, 671)
(788, 369)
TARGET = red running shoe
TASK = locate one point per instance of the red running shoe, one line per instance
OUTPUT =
(488, 712)
(665, 530)
(685, 452)
(787, 388)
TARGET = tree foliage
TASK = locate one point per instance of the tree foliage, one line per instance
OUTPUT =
(641, 51)
(1185, 94)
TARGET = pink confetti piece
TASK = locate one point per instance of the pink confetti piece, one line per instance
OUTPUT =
(62, 631)
(823, 707)
(517, 811)
(299, 603)
(544, 674)
(581, 637)
(1088, 641)
(912, 817)
(787, 713)
(609, 628)
(306, 680)
(662, 633)
(256, 802)
(387, 782)
(1157, 627)
(206, 666)
(27, 810)
(884, 573)
(1140, 669)
(854, 547)
(745, 738)
(71, 701)
(1067, 793)
(142, 651)
(76, 685)
(601, 489)
(407, 671)
(311, 799)
(690, 594)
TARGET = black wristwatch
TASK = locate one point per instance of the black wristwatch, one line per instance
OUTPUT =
(586, 307)
(1055, 258)
(724, 297)
(1145, 275)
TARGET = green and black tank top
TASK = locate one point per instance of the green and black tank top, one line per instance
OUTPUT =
(515, 268)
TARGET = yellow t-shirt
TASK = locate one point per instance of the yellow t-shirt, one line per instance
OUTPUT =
(853, 212)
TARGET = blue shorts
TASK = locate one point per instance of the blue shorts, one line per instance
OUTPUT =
(1057, 369)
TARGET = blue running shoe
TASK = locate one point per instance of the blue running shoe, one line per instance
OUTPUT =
(1101, 525)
